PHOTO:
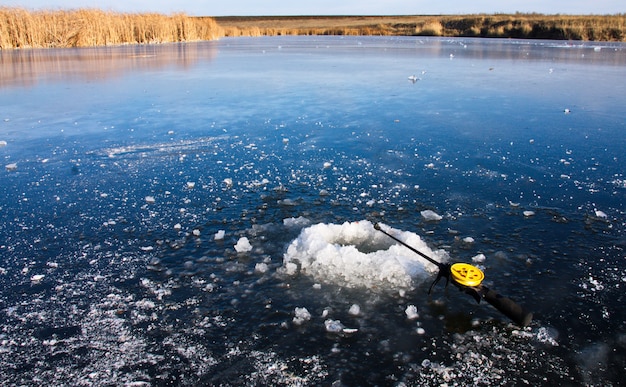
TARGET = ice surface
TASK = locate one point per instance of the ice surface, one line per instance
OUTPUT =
(354, 254)
(131, 300)
(243, 245)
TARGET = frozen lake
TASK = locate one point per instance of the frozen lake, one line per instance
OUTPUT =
(201, 214)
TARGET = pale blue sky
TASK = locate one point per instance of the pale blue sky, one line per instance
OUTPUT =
(333, 7)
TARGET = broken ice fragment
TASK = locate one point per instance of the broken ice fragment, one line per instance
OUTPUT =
(355, 310)
(430, 215)
(37, 278)
(302, 315)
(333, 326)
(261, 267)
(11, 167)
(243, 245)
(411, 312)
(479, 258)
(150, 199)
(600, 214)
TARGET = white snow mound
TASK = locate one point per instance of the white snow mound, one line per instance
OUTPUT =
(355, 254)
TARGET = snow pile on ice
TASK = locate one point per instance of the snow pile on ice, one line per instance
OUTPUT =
(354, 254)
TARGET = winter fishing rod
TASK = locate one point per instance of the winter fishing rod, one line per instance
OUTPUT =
(468, 278)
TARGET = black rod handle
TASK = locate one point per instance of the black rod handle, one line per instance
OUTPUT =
(506, 306)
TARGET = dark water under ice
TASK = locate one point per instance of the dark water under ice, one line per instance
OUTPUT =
(120, 165)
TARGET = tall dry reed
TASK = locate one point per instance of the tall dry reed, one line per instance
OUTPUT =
(20, 28)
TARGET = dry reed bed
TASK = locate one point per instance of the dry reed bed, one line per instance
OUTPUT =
(20, 28)
(522, 26)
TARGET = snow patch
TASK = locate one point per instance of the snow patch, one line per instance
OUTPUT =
(354, 254)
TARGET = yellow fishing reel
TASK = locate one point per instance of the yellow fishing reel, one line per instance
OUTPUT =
(467, 275)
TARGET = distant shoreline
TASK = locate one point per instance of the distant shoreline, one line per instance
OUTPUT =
(520, 26)
(24, 29)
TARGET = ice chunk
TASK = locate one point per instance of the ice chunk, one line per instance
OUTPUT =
(243, 245)
(327, 165)
(11, 167)
(411, 312)
(196, 232)
(219, 235)
(3, 143)
(528, 213)
(296, 222)
(191, 184)
(150, 199)
(229, 182)
(37, 278)
(479, 258)
(600, 214)
(261, 267)
(355, 310)
(334, 326)
(468, 240)
(548, 336)
(430, 216)
(302, 315)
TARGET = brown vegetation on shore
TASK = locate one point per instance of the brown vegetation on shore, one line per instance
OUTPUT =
(20, 28)
(521, 26)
